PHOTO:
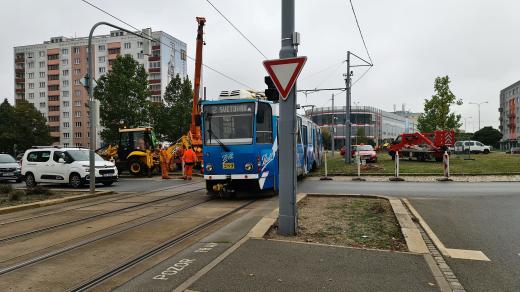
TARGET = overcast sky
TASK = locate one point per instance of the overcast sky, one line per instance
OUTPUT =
(411, 42)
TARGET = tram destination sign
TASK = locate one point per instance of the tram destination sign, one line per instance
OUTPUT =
(284, 73)
(230, 108)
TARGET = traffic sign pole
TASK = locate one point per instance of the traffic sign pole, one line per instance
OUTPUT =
(287, 220)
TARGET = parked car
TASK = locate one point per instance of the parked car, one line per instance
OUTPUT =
(473, 146)
(515, 150)
(366, 152)
(9, 168)
(65, 165)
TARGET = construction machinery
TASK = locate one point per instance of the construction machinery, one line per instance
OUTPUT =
(194, 137)
(422, 146)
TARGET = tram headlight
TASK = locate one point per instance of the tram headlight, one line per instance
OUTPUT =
(249, 166)
(209, 167)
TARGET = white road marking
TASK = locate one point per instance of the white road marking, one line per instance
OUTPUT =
(476, 255)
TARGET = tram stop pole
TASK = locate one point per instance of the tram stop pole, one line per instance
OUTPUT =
(287, 219)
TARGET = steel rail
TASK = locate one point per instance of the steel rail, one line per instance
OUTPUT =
(95, 204)
(165, 245)
(95, 239)
(23, 234)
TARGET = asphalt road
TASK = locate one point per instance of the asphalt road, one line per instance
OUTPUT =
(476, 216)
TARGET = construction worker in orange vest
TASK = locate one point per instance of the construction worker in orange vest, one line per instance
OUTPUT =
(189, 158)
(164, 162)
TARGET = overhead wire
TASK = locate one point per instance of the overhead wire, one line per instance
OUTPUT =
(238, 30)
(149, 37)
(360, 33)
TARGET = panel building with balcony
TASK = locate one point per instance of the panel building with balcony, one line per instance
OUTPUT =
(509, 120)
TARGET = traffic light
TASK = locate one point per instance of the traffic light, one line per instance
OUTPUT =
(271, 92)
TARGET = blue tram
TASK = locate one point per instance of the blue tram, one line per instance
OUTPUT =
(241, 144)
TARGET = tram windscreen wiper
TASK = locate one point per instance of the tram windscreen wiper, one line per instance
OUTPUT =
(218, 140)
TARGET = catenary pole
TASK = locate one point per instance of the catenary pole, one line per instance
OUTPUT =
(287, 220)
(348, 126)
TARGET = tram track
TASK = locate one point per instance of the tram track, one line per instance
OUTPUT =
(88, 218)
(97, 238)
(98, 279)
(97, 203)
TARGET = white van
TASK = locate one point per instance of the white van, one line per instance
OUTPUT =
(64, 165)
(473, 146)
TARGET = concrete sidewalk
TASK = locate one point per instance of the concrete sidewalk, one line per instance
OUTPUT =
(267, 265)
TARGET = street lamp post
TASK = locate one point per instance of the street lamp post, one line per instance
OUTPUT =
(92, 109)
(478, 105)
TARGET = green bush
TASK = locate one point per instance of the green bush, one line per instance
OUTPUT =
(6, 188)
(39, 190)
(16, 195)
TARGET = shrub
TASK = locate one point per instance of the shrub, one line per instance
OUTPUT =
(16, 195)
(39, 190)
(6, 188)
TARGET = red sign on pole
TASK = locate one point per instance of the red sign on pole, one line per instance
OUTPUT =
(284, 73)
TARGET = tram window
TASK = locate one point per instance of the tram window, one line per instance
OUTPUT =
(264, 123)
(298, 131)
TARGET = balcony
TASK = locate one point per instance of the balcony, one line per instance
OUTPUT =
(154, 81)
(19, 60)
(20, 90)
(154, 58)
(53, 82)
(156, 47)
(19, 80)
(53, 93)
(53, 62)
(155, 92)
(19, 70)
(53, 103)
(154, 70)
(53, 72)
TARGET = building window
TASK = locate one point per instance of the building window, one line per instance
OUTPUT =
(78, 145)
(65, 61)
(42, 74)
(65, 93)
(42, 64)
(155, 76)
(66, 114)
(31, 95)
(114, 51)
(76, 50)
(77, 103)
(127, 46)
(65, 72)
(66, 135)
(66, 125)
(76, 61)
(66, 103)
(30, 65)
(140, 56)
(53, 67)
(54, 87)
(54, 118)
(77, 71)
(77, 93)
(42, 94)
(156, 98)
(183, 55)
(101, 59)
(77, 82)
(53, 57)
(77, 114)
(30, 75)
(101, 47)
(42, 84)
(41, 53)
(54, 108)
(64, 51)
(30, 55)
(139, 44)
(155, 64)
(78, 125)
(54, 98)
(101, 69)
(31, 85)
(65, 83)
(42, 104)
(77, 135)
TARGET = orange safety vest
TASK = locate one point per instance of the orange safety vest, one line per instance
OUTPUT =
(189, 156)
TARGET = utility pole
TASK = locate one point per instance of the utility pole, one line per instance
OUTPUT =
(348, 126)
(287, 220)
(333, 130)
(478, 105)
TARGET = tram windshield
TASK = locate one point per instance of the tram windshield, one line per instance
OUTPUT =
(228, 124)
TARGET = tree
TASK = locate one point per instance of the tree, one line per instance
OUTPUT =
(488, 136)
(437, 115)
(22, 126)
(123, 96)
(172, 120)
(326, 136)
(360, 136)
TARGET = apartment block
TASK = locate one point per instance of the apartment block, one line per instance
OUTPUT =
(509, 120)
(48, 75)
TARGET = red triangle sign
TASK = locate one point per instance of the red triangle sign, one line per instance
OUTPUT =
(284, 73)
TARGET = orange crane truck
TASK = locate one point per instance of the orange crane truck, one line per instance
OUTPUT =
(422, 146)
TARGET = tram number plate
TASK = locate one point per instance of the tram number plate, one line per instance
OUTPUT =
(228, 165)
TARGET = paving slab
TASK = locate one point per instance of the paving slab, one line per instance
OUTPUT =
(266, 265)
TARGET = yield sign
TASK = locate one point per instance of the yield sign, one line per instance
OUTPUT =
(284, 73)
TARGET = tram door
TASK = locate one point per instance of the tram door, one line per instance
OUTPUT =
(305, 141)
